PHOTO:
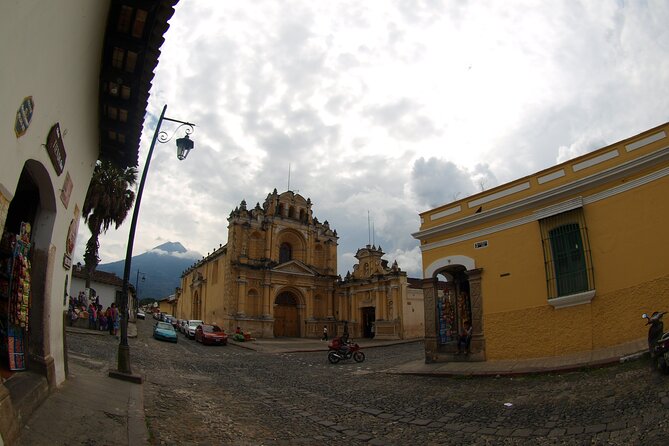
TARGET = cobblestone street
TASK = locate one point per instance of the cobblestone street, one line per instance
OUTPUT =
(195, 394)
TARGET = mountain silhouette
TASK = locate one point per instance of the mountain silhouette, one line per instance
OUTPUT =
(161, 268)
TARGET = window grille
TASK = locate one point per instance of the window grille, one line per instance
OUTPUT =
(566, 254)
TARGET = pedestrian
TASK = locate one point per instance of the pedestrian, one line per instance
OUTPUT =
(116, 320)
(103, 318)
(110, 318)
(465, 338)
(92, 317)
(325, 333)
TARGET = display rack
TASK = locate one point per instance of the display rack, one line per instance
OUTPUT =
(14, 296)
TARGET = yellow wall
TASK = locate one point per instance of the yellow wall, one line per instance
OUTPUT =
(626, 218)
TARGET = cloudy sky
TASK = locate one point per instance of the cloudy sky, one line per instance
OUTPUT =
(388, 107)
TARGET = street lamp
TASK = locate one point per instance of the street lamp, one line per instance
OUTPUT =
(184, 146)
(137, 287)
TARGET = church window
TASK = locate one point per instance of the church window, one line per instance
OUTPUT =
(285, 252)
(291, 212)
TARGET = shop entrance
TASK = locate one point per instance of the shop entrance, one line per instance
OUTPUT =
(286, 317)
(454, 310)
(23, 261)
(368, 320)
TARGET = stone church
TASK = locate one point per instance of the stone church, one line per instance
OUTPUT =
(277, 276)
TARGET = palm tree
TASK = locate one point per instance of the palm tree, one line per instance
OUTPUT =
(108, 200)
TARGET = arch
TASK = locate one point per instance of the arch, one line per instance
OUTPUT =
(467, 262)
(288, 306)
(296, 241)
(34, 201)
(291, 212)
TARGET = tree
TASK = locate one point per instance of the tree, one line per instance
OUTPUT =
(108, 200)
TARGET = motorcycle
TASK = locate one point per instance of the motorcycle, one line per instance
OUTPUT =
(658, 341)
(339, 350)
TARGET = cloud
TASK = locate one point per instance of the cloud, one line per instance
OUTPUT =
(387, 107)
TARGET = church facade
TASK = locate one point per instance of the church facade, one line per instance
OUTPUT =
(277, 276)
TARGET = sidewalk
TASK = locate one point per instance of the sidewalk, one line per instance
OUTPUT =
(597, 358)
(90, 407)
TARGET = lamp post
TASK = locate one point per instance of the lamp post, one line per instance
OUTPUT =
(184, 145)
(137, 288)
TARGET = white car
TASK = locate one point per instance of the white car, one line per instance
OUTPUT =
(190, 329)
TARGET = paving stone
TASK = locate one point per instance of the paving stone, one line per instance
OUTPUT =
(557, 432)
(378, 442)
(504, 432)
(524, 432)
(616, 426)
(540, 432)
(574, 430)
(372, 411)
(363, 437)
(436, 425)
(421, 422)
(453, 426)
(595, 428)
(487, 431)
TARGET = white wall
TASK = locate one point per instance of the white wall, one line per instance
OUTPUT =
(52, 51)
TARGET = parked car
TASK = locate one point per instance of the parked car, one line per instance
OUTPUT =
(183, 325)
(210, 335)
(175, 323)
(141, 315)
(192, 325)
(164, 331)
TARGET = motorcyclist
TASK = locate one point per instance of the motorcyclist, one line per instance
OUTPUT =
(655, 331)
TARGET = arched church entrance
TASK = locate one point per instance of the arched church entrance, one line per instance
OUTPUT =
(24, 249)
(286, 315)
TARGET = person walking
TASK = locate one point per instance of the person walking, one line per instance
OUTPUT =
(325, 333)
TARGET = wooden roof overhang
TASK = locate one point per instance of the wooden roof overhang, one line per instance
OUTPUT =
(133, 37)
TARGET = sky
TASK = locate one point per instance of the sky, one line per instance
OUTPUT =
(380, 110)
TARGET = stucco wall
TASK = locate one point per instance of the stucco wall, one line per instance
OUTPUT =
(52, 52)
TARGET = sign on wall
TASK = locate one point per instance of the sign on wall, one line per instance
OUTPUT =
(23, 116)
(71, 239)
(56, 149)
(66, 191)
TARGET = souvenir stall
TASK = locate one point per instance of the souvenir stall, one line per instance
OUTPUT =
(14, 298)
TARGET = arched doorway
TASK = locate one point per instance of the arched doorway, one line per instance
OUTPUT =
(286, 315)
(30, 218)
(454, 309)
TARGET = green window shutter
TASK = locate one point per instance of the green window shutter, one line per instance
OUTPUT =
(569, 259)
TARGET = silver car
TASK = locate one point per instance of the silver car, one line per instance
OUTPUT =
(190, 328)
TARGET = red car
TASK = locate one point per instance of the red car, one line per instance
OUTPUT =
(211, 335)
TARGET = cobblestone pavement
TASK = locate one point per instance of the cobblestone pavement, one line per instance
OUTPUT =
(204, 395)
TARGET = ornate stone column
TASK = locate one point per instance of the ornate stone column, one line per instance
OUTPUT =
(430, 302)
(476, 298)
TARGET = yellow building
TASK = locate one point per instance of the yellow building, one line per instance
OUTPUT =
(562, 261)
(277, 276)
